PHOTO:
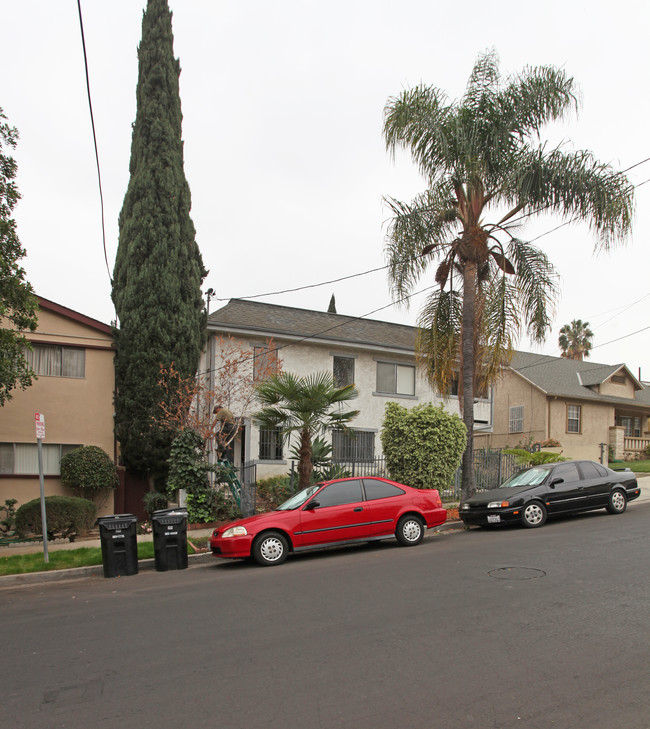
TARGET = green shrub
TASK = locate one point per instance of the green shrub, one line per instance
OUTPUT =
(153, 501)
(66, 515)
(88, 471)
(210, 506)
(423, 445)
(274, 490)
(7, 524)
(524, 458)
(647, 450)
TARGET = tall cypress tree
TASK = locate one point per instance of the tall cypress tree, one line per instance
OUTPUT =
(158, 267)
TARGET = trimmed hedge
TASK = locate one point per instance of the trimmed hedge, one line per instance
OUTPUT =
(89, 471)
(66, 515)
(423, 445)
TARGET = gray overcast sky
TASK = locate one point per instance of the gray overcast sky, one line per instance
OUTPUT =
(282, 104)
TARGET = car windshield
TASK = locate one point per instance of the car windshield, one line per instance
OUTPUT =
(299, 499)
(529, 477)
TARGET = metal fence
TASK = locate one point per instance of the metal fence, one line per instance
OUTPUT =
(491, 467)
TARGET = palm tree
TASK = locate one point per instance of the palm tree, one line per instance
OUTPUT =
(304, 405)
(576, 339)
(486, 170)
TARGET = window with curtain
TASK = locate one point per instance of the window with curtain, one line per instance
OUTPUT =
(395, 379)
(53, 361)
(516, 420)
(22, 458)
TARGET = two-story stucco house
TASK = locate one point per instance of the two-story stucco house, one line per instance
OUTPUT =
(581, 404)
(378, 357)
(72, 356)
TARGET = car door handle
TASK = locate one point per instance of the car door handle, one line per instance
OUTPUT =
(359, 508)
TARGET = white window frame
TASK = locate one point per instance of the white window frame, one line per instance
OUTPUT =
(574, 415)
(399, 368)
(516, 419)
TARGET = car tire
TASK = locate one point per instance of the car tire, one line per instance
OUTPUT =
(533, 515)
(270, 548)
(410, 530)
(617, 502)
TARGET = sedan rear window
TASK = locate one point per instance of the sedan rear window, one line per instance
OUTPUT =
(380, 489)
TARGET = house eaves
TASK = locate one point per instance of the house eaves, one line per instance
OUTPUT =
(567, 379)
(254, 319)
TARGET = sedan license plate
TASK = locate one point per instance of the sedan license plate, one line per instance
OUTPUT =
(493, 518)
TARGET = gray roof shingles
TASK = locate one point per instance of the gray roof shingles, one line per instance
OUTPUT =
(559, 376)
(277, 321)
(553, 375)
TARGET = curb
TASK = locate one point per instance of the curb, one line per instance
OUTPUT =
(96, 570)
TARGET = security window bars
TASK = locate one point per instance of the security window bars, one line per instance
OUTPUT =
(22, 458)
(573, 418)
(516, 422)
(54, 361)
(270, 444)
(343, 371)
(353, 445)
(395, 379)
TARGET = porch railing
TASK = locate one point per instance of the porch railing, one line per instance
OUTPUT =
(637, 445)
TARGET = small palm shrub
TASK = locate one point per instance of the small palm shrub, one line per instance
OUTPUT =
(66, 515)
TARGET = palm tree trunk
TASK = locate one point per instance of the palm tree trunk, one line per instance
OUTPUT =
(305, 466)
(467, 345)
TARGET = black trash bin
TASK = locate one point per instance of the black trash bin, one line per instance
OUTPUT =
(170, 539)
(119, 544)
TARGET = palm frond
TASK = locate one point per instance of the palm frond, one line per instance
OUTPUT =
(537, 286)
(577, 186)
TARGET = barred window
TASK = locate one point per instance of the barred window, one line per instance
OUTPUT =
(271, 442)
(516, 422)
(22, 458)
(53, 361)
(353, 445)
(573, 418)
(343, 371)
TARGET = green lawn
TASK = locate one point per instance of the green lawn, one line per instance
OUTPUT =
(637, 466)
(63, 559)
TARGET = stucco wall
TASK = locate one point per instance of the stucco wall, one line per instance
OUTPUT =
(77, 411)
(311, 357)
(595, 419)
(511, 390)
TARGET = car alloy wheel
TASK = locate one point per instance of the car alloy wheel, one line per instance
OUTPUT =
(270, 549)
(533, 514)
(410, 531)
(617, 502)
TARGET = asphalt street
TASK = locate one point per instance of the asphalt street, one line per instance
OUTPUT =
(493, 629)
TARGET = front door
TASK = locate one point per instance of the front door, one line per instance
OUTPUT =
(567, 495)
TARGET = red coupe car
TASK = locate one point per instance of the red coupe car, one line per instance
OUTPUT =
(337, 512)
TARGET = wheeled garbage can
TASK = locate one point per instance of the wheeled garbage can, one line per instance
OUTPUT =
(119, 542)
(170, 539)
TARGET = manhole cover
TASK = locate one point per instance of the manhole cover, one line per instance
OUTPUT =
(516, 573)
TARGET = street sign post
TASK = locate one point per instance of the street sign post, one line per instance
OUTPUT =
(39, 419)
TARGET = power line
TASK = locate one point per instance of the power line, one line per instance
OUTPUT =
(383, 268)
(329, 329)
(92, 123)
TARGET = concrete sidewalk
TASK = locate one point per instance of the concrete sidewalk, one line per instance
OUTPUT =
(193, 559)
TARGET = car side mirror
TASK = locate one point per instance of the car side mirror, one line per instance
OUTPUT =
(556, 481)
(312, 505)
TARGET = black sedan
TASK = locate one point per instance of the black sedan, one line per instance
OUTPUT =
(535, 493)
